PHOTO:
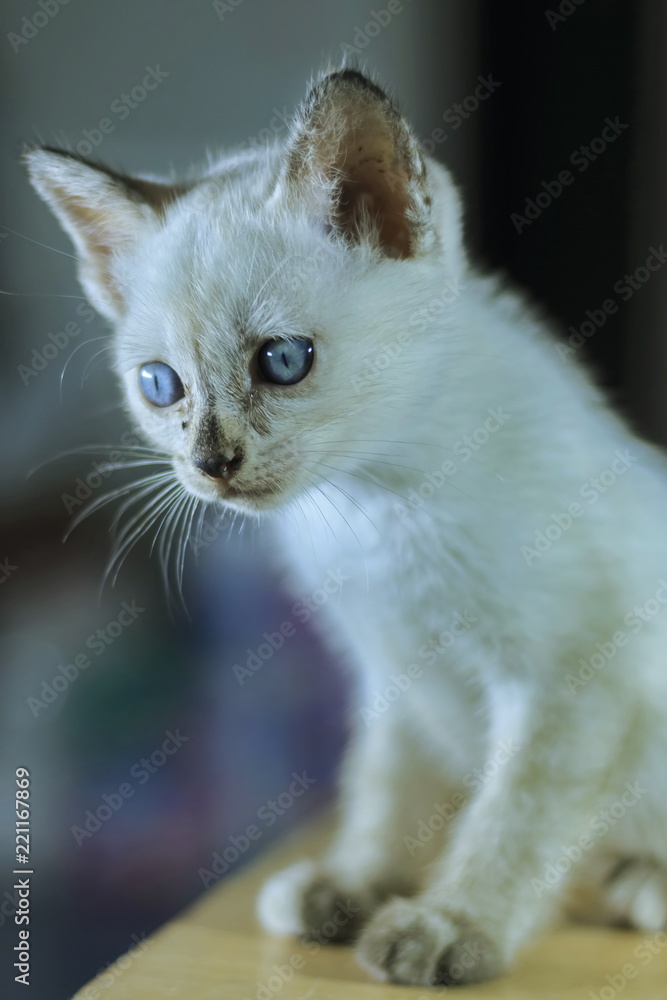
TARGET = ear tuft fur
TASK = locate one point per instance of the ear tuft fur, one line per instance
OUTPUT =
(353, 155)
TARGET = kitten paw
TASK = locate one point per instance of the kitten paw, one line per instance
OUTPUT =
(413, 942)
(308, 901)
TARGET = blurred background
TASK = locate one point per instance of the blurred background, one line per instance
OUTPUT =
(508, 96)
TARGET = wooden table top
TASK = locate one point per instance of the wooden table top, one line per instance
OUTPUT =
(216, 951)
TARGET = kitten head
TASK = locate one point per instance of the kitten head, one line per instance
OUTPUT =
(269, 314)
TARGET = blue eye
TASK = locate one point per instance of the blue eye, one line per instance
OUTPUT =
(285, 361)
(160, 384)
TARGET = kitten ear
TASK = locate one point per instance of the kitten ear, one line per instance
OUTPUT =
(354, 155)
(103, 212)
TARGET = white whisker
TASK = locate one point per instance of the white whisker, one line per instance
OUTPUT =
(352, 500)
(84, 343)
(39, 244)
(113, 495)
(127, 504)
(132, 533)
(98, 354)
(352, 531)
(138, 451)
(170, 529)
(186, 528)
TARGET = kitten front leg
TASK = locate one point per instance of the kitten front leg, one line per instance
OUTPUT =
(487, 894)
(385, 783)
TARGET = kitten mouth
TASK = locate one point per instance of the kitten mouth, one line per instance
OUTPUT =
(225, 491)
(233, 493)
(246, 497)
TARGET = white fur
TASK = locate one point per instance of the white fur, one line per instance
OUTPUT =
(237, 254)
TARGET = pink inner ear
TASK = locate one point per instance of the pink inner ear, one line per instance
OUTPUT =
(353, 138)
(382, 195)
(101, 235)
(94, 223)
(373, 180)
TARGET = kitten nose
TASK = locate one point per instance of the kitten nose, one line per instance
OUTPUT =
(218, 466)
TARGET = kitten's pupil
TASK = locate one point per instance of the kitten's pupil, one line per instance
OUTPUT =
(285, 362)
(160, 384)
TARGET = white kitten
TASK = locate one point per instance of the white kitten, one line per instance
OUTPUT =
(303, 324)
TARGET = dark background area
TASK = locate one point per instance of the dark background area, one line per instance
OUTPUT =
(560, 77)
(559, 87)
